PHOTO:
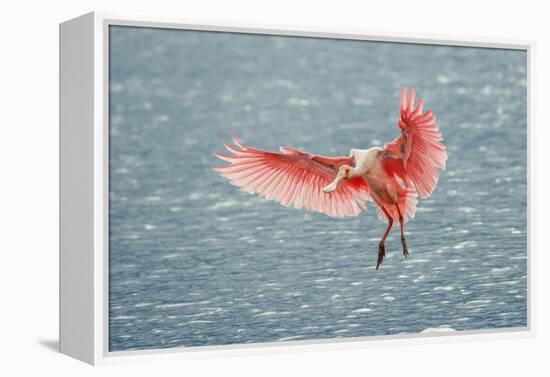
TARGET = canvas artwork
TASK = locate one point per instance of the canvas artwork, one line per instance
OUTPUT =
(267, 188)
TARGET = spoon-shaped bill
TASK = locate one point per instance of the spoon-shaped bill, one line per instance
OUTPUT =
(332, 186)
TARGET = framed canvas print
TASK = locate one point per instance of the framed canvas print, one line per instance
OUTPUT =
(227, 188)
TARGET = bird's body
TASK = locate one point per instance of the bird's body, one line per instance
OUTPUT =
(368, 164)
(392, 177)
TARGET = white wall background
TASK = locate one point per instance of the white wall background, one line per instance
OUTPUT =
(29, 186)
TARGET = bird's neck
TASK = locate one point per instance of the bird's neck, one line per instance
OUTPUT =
(364, 161)
(355, 171)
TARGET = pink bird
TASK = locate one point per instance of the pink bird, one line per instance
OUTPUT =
(391, 177)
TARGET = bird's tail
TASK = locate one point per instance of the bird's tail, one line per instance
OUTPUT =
(407, 206)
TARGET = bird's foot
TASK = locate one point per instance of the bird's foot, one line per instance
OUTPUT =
(405, 249)
(381, 255)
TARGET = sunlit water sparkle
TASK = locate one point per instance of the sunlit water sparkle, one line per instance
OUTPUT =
(194, 261)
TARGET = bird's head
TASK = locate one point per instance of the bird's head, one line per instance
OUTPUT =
(344, 173)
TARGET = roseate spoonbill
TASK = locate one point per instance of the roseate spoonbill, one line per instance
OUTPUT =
(391, 177)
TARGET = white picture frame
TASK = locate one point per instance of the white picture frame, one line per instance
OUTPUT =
(84, 189)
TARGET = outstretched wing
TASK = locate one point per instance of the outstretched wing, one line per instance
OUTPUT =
(418, 154)
(294, 178)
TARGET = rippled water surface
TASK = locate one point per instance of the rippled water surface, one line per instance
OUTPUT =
(194, 261)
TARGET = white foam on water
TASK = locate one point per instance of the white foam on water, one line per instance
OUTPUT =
(442, 79)
(171, 256)
(266, 314)
(290, 338)
(122, 171)
(362, 102)
(477, 303)
(443, 288)
(196, 196)
(362, 310)
(299, 102)
(179, 304)
(464, 244)
(499, 270)
(168, 306)
(224, 204)
(425, 209)
(434, 330)
(123, 317)
(324, 280)
(214, 310)
(153, 198)
(411, 260)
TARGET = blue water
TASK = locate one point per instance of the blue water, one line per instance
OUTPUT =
(194, 261)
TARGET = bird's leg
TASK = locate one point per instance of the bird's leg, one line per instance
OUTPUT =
(403, 241)
(381, 246)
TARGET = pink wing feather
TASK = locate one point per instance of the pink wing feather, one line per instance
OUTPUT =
(294, 178)
(418, 154)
